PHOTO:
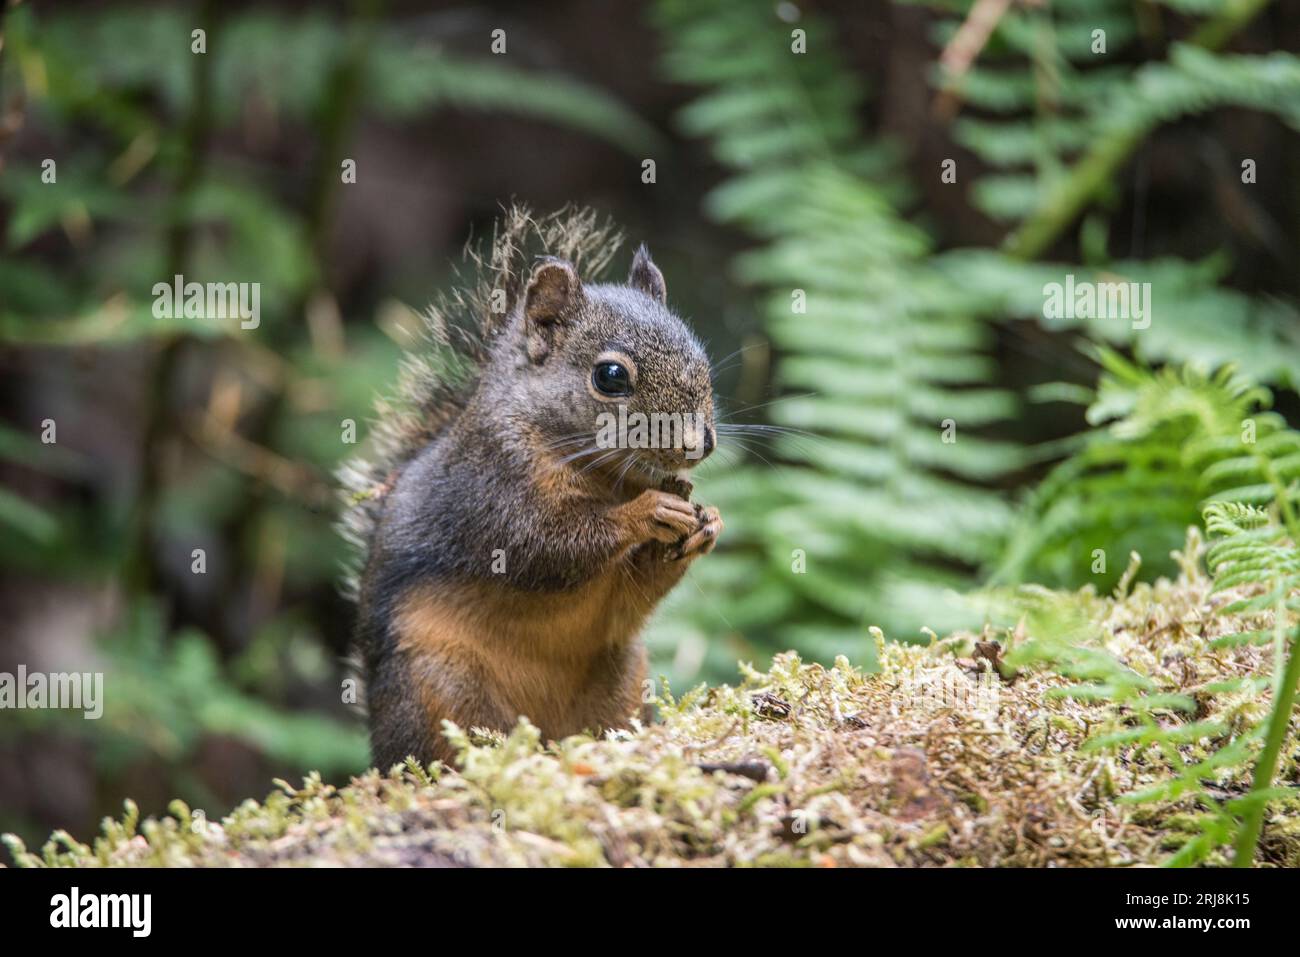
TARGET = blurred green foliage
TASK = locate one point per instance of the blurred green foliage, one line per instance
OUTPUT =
(891, 344)
(239, 431)
(845, 504)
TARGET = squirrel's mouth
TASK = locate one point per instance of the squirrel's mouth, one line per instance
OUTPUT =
(650, 469)
(651, 472)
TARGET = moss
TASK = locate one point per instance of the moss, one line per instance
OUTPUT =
(932, 760)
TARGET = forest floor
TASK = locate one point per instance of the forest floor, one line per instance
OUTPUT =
(945, 756)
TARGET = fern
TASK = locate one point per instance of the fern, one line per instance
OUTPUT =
(288, 63)
(1256, 549)
(1162, 443)
(876, 350)
(1054, 118)
(1179, 441)
(107, 68)
(891, 339)
(1260, 548)
(1055, 90)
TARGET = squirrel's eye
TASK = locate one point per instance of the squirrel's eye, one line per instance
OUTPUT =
(611, 378)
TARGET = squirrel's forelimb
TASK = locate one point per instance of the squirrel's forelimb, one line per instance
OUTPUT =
(483, 653)
(653, 516)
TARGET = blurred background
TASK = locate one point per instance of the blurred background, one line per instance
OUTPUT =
(857, 205)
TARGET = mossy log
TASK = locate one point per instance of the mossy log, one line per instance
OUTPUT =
(945, 755)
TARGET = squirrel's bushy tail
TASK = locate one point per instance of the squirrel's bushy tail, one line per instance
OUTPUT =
(460, 328)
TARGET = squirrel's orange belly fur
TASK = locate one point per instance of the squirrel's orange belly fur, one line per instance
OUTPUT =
(483, 654)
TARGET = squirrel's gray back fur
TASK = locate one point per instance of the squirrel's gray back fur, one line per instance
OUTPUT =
(461, 327)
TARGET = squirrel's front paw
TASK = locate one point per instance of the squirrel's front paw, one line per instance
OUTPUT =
(661, 517)
(708, 526)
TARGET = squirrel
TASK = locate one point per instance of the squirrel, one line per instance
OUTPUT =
(508, 558)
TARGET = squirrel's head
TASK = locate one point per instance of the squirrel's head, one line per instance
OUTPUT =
(614, 380)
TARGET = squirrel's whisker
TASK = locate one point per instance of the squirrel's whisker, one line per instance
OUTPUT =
(598, 461)
(717, 366)
(724, 456)
(779, 466)
(627, 466)
(574, 439)
(769, 433)
(730, 428)
(764, 405)
(579, 454)
(753, 451)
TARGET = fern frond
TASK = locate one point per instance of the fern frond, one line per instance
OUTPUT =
(880, 349)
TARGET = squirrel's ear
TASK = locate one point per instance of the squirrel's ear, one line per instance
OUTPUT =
(553, 288)
(645, 275)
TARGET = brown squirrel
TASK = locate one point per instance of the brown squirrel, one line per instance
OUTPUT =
(511, 559)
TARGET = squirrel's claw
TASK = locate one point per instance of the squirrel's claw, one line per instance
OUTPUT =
(702, 540)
